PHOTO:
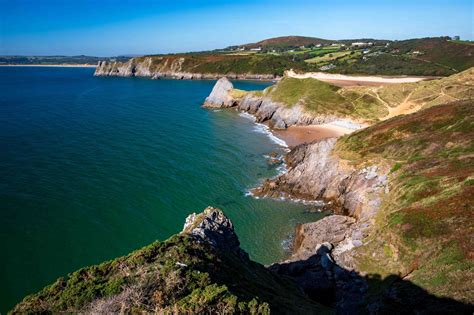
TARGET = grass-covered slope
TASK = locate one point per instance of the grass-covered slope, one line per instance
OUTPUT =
(371, 104)
(324, 98)
(437, 56)
(425, 229)
(181, 276)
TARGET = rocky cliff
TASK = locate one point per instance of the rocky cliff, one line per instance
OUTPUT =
(173, 67)
(402, 193)
(316, 173)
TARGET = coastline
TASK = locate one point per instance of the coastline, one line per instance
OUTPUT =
(59, 66)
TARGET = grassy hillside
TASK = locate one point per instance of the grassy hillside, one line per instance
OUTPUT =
(425, 229)
(439, 50)
(371, 104)
(437, 56)
(179, 276)
(289, 42)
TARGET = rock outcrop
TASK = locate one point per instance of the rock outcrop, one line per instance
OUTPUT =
(214, 228)
(315, 173)
(220, 95)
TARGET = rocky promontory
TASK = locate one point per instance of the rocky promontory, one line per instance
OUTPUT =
(168, 67)
(266, 110)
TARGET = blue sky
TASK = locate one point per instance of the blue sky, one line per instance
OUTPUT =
(107, 28)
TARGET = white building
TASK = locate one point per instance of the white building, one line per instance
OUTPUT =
(361, 44)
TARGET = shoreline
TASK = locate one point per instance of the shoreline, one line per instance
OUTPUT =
(57, 65)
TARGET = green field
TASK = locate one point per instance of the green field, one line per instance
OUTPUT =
(328, 57)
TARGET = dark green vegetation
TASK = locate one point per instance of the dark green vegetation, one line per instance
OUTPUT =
(56, 60)
(436, 56)
(424, 231)
(289, 42)
(179, 276)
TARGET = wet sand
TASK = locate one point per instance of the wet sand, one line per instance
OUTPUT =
(295, 135)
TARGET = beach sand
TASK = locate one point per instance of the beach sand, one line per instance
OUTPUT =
(295, 135)
(356, 80)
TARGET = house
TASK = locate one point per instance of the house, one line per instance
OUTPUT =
(318, 45)
(256, 49)
(327, 67)
(361, 44)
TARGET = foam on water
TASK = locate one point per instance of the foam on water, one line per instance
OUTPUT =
(261, 128)
(247, 115)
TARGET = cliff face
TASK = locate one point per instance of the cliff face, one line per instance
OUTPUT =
(172, 67)
(315, 173)
(220, 95)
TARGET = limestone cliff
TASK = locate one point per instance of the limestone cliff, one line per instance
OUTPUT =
(173, 67)
(220, 95)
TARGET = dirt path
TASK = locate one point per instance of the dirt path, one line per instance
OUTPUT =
(405, 107)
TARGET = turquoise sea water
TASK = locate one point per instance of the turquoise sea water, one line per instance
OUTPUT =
(93, 168)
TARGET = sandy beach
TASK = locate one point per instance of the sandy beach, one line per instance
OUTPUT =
(354, 80)
(295, 135)
(63, 65)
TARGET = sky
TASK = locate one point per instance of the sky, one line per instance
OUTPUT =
(111, 28)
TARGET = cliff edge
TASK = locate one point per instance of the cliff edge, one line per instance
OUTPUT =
(200, 270)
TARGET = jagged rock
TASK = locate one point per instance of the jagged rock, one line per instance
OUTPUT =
(213, 227)
(220, 95)
(314, 173)
(330, 231)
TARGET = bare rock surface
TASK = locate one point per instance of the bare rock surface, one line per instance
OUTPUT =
(174, 69)
(220, 95)
(213, 227)
(315, 173)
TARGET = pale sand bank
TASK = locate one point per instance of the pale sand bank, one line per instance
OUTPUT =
(295, 135)
(355, 80)
(63, 66)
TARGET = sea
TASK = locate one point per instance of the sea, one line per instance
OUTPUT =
(93, 168)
